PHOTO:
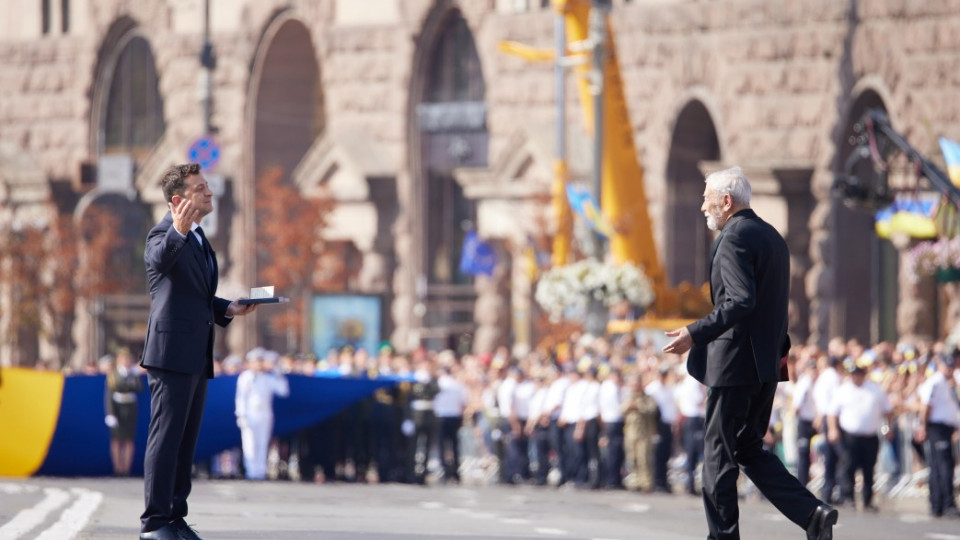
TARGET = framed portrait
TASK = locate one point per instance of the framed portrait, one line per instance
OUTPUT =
(339, 320)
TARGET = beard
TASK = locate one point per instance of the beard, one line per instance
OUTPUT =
(712, 221)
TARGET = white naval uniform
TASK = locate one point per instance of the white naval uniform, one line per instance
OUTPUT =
(254, 408)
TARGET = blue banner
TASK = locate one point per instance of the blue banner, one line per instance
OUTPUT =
(81, 442)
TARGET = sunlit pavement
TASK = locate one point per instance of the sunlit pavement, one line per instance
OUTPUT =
(108, 509)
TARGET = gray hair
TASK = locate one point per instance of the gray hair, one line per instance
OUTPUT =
(731, 182)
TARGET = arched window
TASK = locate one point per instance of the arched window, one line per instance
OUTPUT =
(133, 108)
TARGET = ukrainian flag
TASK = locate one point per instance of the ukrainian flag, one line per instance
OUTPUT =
(951, 153)
(52, 425)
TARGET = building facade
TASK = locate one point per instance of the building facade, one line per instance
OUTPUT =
(422, 129)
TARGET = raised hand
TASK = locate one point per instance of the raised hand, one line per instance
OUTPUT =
(185, 214)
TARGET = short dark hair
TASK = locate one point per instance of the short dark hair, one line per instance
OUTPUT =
(172, 181)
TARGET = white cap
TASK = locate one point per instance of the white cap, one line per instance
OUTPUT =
(256, 352)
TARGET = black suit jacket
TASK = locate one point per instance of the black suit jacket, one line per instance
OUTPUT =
(183, 307)
(741, 341)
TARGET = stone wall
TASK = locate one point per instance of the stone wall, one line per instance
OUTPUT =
(778, 78)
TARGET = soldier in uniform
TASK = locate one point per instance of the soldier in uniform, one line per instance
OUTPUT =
(641, 420)
(120, 400)
(422, 419)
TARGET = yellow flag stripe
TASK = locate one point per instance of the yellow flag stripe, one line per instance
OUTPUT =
(29, 408)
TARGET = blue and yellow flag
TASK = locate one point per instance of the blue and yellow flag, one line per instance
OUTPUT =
(585, 205)
(951, 153)
(911, 215)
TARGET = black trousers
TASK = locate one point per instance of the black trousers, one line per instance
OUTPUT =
(661, 456)
(450, 446)
(939, 454)
(737, 418)
(176, 410)
(693, 433)
(614, 454)
(859, 453)
(805, 433)
(831, 462)
(541, 443)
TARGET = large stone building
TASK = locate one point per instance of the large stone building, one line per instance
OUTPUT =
(414, 119)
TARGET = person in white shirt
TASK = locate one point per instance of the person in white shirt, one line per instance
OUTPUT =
(828, 380)
(612, 397)
(256, 387)
(505, 392)
(939, 420)
(588, 429)
(661, 390)
(448, 406)
(537, 428)
(691, 399)
(570, 412)
(805, 409)
(859, 411)
(556, 390)
(518, 456)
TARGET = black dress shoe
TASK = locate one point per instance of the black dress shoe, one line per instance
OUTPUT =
(185, 531)
(821, 523)
(167, 532)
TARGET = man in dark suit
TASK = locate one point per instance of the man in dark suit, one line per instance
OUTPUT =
(178, 353)
(735, 351)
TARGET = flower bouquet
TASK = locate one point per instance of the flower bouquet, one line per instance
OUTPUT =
(565, 291)
(939, 258)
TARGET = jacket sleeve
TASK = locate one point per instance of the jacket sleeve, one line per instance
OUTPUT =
(220, 311)
(739, 290)
(163, 248)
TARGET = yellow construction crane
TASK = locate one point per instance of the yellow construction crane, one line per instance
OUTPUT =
(584, 43)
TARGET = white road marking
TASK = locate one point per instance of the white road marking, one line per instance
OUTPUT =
(914, 518)
(941, 536)
(515, 521)
(74, 518)
(553, 532)
(14, 489)
(27, 520)
(636, 507)
(432, 505)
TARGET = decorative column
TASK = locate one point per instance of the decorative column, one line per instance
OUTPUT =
(917, 300)
(492, 310)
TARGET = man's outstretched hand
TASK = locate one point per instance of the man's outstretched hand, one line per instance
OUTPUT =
(237, 309)
(681, 343)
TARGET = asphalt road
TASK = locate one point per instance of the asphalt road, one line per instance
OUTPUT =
(108, 509)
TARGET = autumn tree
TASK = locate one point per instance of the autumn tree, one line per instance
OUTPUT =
(289, 243)
(47, 269)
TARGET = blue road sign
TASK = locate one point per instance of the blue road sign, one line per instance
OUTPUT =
(204, 151)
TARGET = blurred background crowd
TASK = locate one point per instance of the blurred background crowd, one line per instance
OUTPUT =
(854, 421)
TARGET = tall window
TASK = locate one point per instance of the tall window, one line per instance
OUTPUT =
(45, 17)
(453, 117)
(133, 122)
(64, 16)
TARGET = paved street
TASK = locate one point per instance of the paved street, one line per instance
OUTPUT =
(107, 509)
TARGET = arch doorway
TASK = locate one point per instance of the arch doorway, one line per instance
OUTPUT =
(449, 132)
(865, 297)
(287, 117)
(688, 241)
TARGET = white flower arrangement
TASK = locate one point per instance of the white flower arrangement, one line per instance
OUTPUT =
(565, 289)
(926, 258)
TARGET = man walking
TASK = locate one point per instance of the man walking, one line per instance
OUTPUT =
(178, 353)
(735, 351)
(939, 418)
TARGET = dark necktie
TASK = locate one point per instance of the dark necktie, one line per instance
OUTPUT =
(205, 246)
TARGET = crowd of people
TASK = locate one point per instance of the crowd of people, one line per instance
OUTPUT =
(594, 413)
(590, 413)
